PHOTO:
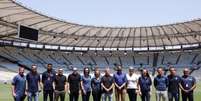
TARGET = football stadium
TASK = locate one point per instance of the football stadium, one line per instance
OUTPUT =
(28, 37)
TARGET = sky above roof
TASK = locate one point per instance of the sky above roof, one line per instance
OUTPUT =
(119, 13)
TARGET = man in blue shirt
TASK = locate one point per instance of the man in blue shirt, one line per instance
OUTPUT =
(33, 84)
(173, 87)
(48, 78)
(188, 84)
(161, 84)
(120, 84)
(19, 86)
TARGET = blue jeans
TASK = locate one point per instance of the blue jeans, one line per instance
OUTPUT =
(85, 97)
(105, 96)
(19, 98)
(173, 95)
(33, 95)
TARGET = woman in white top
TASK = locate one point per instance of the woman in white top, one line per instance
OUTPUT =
(132, 84)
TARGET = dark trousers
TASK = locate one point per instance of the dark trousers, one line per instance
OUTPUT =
(19, 98)
(59, 94)
(74, 96)
(145, 96)
(132, 94)
(85, 97)
(96, 96)
(173, 95)
(47, 93)
(188, 96)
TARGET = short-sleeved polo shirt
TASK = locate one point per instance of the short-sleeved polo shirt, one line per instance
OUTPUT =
(74, 82)
(20, 84)
(48, 79)
(32, 80)
(86, 83)
(120, 78)
(187, 82)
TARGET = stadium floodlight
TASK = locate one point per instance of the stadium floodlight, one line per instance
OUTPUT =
(173, 47)
(7, 42)
(106, 49)
(47, 47)
(110, 49)
(69, 48)
(93, 49)
(140, 49)
(51, 47)
(99, 48)
(113, 49)
(191, 45)
(81, 48)
(128, 49)
(77, 48)
(16, 43)
(55, 47)
(63, 48)
(156, 48)
(39, 46)
(121, 49)
(22, 44)
(125, 49)
(31, 45)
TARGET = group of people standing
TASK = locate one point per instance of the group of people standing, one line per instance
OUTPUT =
(55, 85)
(168, 87)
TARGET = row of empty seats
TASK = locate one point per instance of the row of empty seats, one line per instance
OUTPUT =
(65, 60)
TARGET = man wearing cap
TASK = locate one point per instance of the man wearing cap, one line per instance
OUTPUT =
(74, 80)
(188, 84)
(120, 81)
(60, 86)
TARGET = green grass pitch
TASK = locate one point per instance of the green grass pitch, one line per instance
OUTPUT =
(5, 94)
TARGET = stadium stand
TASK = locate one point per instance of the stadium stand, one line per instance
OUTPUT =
(61, 59)
(66, 44)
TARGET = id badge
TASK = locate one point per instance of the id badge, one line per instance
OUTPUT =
(186, 85)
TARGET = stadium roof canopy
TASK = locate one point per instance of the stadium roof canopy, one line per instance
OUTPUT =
(58, 32)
